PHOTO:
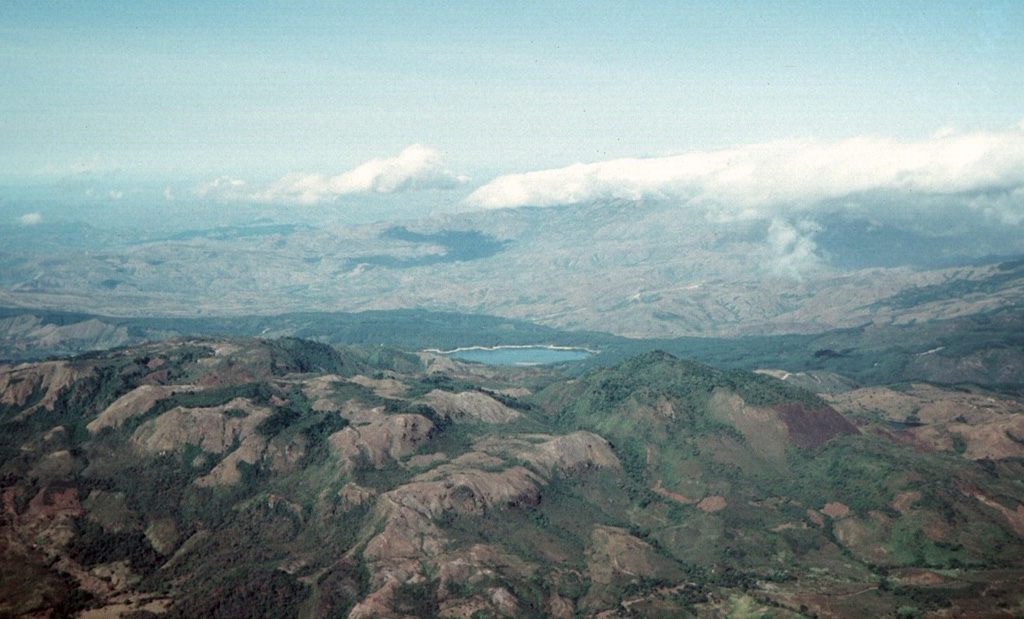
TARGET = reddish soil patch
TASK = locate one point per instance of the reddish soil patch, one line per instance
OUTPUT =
(815, 517)
(936, 529)
(233, 375)
(51, 504)
(675, 496)
(813, 427)
(156, 378)
(917, 576)
(10, 497)
(712, 503)
(835, 510)
(903, 501)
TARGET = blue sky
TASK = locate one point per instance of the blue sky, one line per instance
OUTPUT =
(196, 90)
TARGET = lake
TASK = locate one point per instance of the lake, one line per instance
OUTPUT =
(518, 355)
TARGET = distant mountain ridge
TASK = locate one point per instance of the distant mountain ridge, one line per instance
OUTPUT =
(638, 269)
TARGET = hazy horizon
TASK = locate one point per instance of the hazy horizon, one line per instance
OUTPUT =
(177, 91)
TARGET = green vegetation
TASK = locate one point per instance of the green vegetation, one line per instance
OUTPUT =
(278, 421)
(244, 592)
(92, 545)
(658, 402)
(417, 599)
(715, 502)
(291, 355)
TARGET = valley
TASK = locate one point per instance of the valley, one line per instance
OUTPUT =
(638, 269)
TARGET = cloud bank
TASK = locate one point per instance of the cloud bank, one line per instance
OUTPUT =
(785, 178)
(30, 219)
(416, 167)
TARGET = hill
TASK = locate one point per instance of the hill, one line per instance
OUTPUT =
(218, 476)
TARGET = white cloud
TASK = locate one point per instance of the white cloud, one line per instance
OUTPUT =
(788, 177)
(416, 167)
(223, 188)
(30, 219)
(792, 248)
(1004, 207)
(950, 183)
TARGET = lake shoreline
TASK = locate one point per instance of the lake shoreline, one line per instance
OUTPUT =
(510, 346)
(518, 354)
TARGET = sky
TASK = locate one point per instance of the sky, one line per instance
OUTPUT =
(154, 114)
(266, 91)
(795, 117)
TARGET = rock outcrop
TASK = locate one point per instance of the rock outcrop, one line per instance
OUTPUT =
(136, 402)
(212, 429)
(387, 437)
(470, 405)
(40, 382)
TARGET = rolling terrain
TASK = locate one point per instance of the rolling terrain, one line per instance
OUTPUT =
(220, 475)
(982, 349)
(637, 269)
(243, 419)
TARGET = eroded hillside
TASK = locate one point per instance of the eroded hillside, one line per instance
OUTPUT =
(219, 477)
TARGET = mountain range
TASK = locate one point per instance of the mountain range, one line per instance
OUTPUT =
(637, 269)
(232, 476)
(776, 417)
